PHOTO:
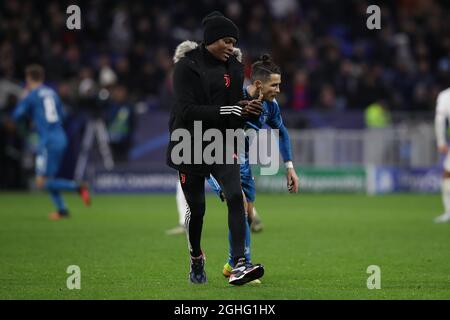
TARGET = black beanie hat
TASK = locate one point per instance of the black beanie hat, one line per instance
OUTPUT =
(217, 26)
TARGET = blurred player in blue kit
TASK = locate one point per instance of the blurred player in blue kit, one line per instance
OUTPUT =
(43, 106)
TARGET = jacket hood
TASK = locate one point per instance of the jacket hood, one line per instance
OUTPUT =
(188, 46)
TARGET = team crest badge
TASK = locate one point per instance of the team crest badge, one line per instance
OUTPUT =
(227, 80)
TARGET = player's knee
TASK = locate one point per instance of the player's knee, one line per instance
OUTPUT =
(446, 174)
(40, 182)
(197, 208)
(235, 198)
(250, 210)
(245, 201)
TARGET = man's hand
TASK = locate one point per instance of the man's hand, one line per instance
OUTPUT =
(251, 108)
(443, 149)
(221, 196)
(260, 94)
(292, 180)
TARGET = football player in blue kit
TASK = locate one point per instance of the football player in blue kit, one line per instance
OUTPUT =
(265, 85)
(45, 109)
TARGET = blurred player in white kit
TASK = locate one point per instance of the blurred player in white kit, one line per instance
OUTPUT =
(442, 114)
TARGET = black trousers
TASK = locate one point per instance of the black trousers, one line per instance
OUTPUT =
(193, 187)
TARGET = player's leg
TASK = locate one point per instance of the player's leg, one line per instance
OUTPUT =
(246, 242)
(57, 185)
(445, 188)
(248, 185)
(243, 271)
(255, 221)
(181, 207)
(248, 188)
(61, 209)
(228, 267)
(230, 182)
(43, 170)
(193, 187)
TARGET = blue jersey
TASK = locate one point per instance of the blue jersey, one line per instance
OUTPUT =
(271, 116)
(45, 109)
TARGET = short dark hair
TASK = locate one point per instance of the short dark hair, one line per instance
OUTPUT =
(35, 71)
(263, 68)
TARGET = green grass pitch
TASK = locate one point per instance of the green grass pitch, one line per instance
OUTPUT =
(313, 247)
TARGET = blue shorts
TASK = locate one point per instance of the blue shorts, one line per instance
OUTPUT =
(247, 182)
(48, 161)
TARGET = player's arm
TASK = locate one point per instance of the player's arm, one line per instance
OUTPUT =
(19, 112)
(21, 109)
(186, 83)
(276, 122)
(285, 150)
(439, 124)
(216, 187)
(62, 114)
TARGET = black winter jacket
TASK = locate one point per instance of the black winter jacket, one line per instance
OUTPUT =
(193, 102)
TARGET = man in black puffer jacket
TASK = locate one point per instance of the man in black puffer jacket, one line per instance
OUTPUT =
(208, 80)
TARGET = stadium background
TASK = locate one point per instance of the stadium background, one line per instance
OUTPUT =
(334, 70)
(358, 104)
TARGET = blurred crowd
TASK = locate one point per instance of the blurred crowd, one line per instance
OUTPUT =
(119, 64)
(329, 58)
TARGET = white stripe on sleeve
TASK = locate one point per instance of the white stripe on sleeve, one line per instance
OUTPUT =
(236, 110)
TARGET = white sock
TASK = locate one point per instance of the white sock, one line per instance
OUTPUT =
(181, 204)
(446, 195)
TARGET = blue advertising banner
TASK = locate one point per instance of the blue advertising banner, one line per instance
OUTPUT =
(133, 182)
(389, 179)
(373, 180)
(136, 182)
